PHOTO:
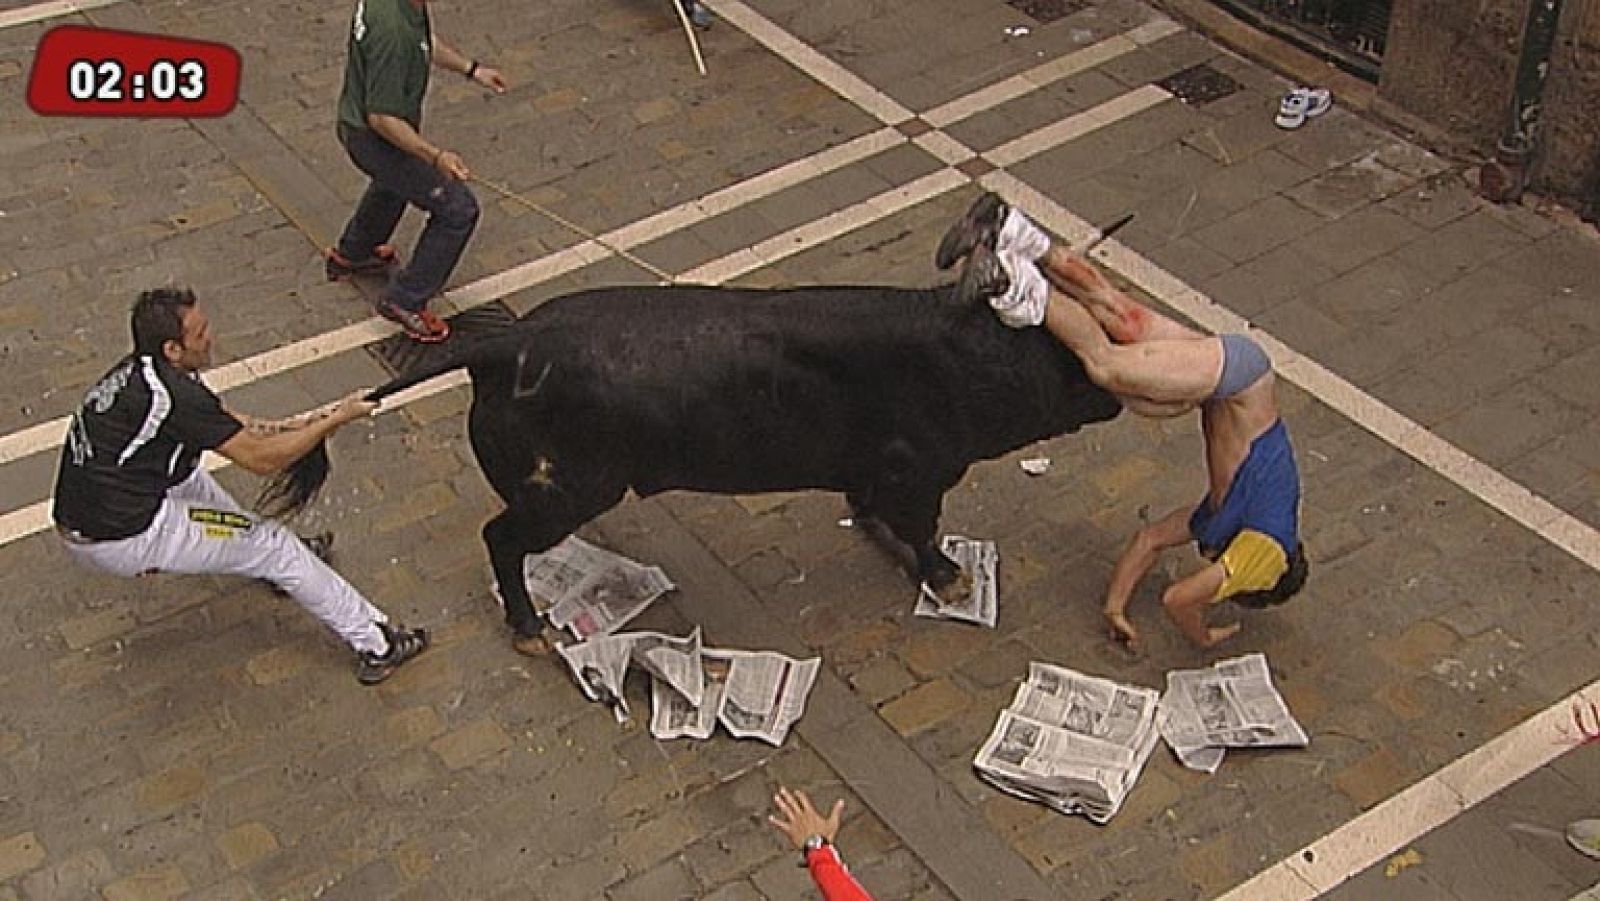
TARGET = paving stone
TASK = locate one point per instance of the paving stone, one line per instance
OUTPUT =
(19, 854)
(1373, 778)
(243, 845)
(151, 885)
(924, 706)
(735, 891)
(164, 791)
(1258, 228)
(881, 680)
(670, 880)
(733, 853)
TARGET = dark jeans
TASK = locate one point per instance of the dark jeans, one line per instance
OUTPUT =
(398, 178)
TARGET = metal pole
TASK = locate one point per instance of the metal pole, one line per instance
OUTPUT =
(1503, 179)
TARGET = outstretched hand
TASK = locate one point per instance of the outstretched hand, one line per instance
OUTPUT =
(800, 821)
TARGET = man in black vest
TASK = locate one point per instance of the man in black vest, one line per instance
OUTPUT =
(131, 498)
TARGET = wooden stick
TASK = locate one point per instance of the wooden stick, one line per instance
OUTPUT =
(688, 29)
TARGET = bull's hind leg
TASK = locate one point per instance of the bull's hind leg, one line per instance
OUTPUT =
(507, 537)
(533, 526)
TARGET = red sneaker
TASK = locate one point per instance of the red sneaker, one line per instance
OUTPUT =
(340, 268)
(419, 325)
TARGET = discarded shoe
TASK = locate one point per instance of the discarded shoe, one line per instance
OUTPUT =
(404, 644)
(340, 268)
(419, 325)
(1301, 104)
(980, 224)
(1584, 837)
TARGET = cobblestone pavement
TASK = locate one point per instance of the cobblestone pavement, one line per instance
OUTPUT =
(200, 738)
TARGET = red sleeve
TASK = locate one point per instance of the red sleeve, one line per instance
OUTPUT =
(832, 879)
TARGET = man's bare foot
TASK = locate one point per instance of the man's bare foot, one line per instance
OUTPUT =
(1217, 634)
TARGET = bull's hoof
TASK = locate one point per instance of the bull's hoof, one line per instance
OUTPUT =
(536, 645)
(956, 591)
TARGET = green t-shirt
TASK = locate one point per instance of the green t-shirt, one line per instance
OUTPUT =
(386, 67)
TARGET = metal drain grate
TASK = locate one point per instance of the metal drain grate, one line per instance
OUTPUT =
(1046, 11)
(1199, 85)
(398, 353)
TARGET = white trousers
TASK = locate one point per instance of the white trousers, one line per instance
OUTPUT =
(200, 529)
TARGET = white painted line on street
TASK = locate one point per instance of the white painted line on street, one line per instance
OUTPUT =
(1365, 840)
(41, 11)
(1075, 126)
(944, 148)
(819, 231)
(800, 55)
(1027, 82)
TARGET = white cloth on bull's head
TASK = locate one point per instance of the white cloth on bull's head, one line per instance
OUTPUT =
(1019, 235)
(1021, 305)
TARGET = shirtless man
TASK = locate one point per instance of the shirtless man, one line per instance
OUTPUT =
(1247, 527)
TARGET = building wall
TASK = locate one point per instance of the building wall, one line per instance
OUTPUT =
(1452, 64)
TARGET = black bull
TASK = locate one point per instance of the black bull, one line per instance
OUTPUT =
(885, 394)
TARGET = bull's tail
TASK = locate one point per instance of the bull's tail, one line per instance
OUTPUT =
(288, 492)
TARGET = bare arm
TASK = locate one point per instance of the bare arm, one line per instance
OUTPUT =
(399, 132)
(287, 424)
(265, 451)
(1143, 548)
(452, 60)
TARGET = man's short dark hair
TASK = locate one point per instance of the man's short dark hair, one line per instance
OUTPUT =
(158, 318)
(1289, 584)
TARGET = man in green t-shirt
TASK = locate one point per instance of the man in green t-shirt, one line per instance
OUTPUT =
(390, 49)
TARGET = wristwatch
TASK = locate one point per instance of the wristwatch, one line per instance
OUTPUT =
(814, 843)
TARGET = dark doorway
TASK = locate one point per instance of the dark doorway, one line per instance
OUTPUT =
(1349, 33)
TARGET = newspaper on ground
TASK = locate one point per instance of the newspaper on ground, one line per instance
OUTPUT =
(980, 559)
(601, 665)
(588, 590)
(753, 694)
(764, 693)
(1074, 742)
(672, 716)
(1233, 704)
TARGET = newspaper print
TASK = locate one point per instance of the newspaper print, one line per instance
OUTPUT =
(600, 665)
(764, 693)
(1076, 743)
(980, 560)
(588, 590)
(674, 716)
(1232, 704)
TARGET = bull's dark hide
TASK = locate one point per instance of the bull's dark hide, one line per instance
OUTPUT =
(885, 394)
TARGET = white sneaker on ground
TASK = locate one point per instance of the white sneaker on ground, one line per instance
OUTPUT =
(1301, 104)
(1584, 837)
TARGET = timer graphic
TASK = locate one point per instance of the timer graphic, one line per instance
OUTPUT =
(81, 71)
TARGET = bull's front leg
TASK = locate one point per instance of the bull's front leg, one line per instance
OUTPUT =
(915, 521)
